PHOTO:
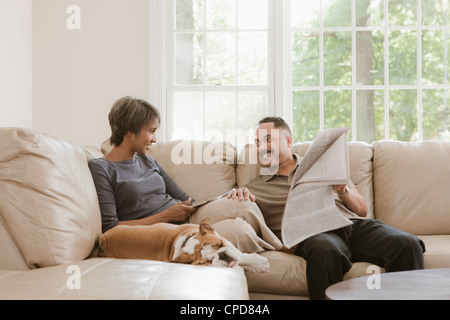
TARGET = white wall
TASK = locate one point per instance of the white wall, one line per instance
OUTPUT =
(78, 74)
(15, 64)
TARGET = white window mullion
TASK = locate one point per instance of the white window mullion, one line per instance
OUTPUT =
(237, 80)
(419, 70)
(271, 56)
(159, 50)
(204, 68)
(321, 68)
(354, 66)
(236, 32)
(287, 90)
(204, 90)
(282, 61)
(386, 70)
(204, 114)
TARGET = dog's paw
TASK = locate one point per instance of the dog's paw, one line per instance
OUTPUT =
(256, 263)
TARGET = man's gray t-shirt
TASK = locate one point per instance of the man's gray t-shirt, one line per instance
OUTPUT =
(132, 189)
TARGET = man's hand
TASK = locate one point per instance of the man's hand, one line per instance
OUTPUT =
(341, 188)
(352, 199)
(241, 194)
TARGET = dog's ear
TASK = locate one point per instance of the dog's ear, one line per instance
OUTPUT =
(205, 227)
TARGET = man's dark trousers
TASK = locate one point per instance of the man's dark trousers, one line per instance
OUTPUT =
(330, 255)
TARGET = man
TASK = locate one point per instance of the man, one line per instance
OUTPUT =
(328, 255)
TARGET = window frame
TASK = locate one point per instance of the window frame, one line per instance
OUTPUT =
(204, 88)
(280, 87)
(386, 87)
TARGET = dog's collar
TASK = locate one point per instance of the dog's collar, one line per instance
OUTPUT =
(186, 240)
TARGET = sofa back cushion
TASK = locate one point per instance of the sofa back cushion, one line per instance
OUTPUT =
(48, 199)
(11, 258)
(412, 185)
(202, 169)
(360, 154)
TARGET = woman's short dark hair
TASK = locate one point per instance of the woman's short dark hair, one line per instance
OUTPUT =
(278, 123)
(130, 114)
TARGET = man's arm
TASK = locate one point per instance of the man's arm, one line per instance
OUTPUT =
(352, 199)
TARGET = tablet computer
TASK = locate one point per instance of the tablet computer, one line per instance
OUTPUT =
(200, 202)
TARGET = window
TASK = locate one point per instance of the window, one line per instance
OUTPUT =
(221, 81)
(378, 66)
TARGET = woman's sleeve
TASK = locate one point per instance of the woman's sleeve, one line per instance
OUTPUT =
(106, 198)
(172, 188)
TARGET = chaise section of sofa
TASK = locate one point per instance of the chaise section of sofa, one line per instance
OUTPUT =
(121, 279)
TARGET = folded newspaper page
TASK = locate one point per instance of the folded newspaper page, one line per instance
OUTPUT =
(310, 207)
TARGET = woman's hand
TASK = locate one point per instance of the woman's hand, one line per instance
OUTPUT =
(241, 194)
(180, 212)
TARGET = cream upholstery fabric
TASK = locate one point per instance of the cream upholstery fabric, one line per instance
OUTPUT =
(287, 275)
(119, 279)
(202, 169)
(10, 255)
(47, 198)
(438, 251)
(49, 216)
(412, 186)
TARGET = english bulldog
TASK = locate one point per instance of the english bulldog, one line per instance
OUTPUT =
(187, 243)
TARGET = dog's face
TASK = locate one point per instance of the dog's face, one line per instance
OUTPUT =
(203, 248)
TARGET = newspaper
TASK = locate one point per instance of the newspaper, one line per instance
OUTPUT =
(310, 207)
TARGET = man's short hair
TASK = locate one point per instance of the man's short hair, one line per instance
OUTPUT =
(130, 114)
(278, 123)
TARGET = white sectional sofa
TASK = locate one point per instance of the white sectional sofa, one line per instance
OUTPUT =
(50, 219)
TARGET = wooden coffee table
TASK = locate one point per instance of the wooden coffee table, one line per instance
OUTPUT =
(428, 284)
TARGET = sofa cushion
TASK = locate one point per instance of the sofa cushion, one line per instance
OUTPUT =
(412, 185)
(10, 256)
(122, 279)
(438, 251)
(48, 199)
(287, 274)
(360, 154)
(202, 169)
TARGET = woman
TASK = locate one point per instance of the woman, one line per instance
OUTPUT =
(133, 189)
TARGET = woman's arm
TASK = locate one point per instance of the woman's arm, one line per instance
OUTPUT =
(105, 194)
(172, 188)
(175, 214)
